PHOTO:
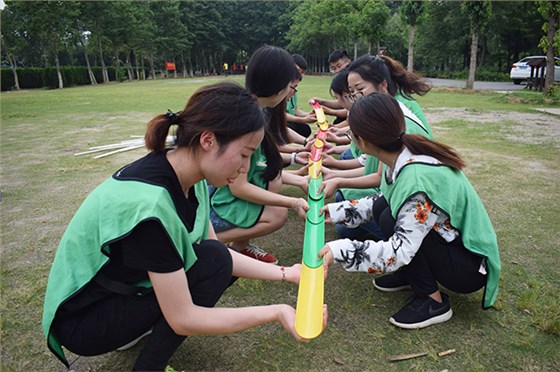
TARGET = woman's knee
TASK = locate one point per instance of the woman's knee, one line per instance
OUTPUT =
(214, 253)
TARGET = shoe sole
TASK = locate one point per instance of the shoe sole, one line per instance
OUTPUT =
(393, 289)
(435, 320)
(134, 342)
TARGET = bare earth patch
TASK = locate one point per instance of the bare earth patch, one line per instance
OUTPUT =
(529, 128)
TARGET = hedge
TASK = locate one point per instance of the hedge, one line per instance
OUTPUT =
(45, 77)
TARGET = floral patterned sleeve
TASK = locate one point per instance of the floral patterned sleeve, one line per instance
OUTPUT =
(415, 219)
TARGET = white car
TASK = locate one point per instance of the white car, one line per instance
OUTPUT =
(521, 70)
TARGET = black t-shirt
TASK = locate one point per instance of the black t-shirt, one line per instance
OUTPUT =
(147, 247)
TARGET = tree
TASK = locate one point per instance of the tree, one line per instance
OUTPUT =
(550, 10)
(411, 12)
(13, 37)
(479, 14)
(372, 21)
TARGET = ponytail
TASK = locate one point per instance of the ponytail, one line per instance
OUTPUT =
(378, 119)
(403, 81)
(420, 145)
(225, 109)
(158, 130)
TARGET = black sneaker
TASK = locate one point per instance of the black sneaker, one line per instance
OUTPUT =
(391, 282)
(422, 312)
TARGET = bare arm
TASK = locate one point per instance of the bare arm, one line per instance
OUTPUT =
(188, 319)
(245, 190)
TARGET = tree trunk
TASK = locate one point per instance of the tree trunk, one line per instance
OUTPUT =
(12, 61)
(58, 73)
(410, 63)
(355, 50)
(549, 78)
(472, 64)
(128, 65)
(191, 72)
(152, 68)
(90, 72)
(136, 64)
(183, 65)
(104, 71)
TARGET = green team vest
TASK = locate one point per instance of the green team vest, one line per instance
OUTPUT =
(239, 212)
(451, 192)
(291, 104)
(372, 163)
(413, 106)
(108, 214)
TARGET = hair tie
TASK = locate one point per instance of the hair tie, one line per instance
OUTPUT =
(400, 137)
(172, 117)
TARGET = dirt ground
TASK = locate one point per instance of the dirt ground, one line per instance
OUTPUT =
(531, 128)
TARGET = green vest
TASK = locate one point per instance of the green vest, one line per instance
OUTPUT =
(291, 104)
(239, 212)
(413, 106)
(372, 163)
(356, 152)
(451, 192)
(107, 215)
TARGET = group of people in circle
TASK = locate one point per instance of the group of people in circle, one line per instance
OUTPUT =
(152, 249)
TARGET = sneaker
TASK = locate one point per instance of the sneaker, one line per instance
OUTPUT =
(256, 252)
(421, 312)
(134, 342)
(391, 282)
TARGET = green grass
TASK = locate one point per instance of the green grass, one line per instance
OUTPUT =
(43, 184)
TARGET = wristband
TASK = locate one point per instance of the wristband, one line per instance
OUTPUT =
(293, 158)
(283, 269)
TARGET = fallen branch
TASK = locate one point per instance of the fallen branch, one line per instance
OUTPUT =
(397, 358)
(115, 148)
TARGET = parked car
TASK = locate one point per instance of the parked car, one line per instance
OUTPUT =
(521, 70)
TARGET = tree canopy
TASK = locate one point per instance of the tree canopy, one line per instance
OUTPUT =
(199, 36)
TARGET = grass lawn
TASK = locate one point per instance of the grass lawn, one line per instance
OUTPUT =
(513, 161)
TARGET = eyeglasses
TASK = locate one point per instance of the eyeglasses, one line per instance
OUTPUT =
(294, 88)
(348, 134)
(353, 97)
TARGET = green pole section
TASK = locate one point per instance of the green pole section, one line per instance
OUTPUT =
(314, 236)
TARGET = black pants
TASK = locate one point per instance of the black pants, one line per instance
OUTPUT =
(437, 261)
(119, 319)
(300, 128)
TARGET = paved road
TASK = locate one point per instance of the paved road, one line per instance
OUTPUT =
(478, 85)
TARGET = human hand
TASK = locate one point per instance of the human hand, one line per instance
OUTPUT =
(293, 273)
(304, 184)
(329, 187)
(310, 118)
(287, 317)
(326, 172)
(302, 157)
(300, 206)
(325, 210)
(328, 258)
(328, 160)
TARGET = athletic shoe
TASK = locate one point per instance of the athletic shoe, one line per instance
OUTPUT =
(256, 252)
(421, 312)
(391, 282)
(134, 342)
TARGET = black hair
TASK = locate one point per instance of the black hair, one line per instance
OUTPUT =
(378, 119)
(300, 61)
(337, 54)
(270, 69)
(339, 82)
(226, 109)
(376, 69)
